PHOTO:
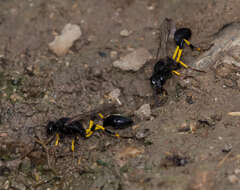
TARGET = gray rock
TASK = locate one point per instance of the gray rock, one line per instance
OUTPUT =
(133, 61)
(62, 43)
(226, 49)
(144, 112)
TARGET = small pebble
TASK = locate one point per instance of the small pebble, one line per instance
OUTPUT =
(67, 64)
(233, 179)
(151, 7)
(113, 55)
(227, 148)
(125, 33)
(141, 134)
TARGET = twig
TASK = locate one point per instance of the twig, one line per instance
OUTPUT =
(224, 159)
(46, 150)
(46, 181)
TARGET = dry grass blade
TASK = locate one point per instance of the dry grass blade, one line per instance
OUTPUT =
(234, 113)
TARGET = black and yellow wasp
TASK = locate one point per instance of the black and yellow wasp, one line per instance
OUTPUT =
(73, 128)
(165, 67)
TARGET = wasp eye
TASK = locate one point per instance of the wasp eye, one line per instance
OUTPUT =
(153, 82)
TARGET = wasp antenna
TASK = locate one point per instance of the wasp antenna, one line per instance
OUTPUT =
(183, 64)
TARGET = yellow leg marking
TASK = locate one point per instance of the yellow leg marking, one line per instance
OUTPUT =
(89, 134)
(176, 73)
(89, 131)
(89, 126)
(99, 127)
(57, 139)
(73, 145)
(187, 42)
(183, 64)
(179, 55)
(175, 53)
(101, 115)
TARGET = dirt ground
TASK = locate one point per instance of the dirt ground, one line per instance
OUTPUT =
(189, 142)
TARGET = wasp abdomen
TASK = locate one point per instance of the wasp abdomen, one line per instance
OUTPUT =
(117, 121)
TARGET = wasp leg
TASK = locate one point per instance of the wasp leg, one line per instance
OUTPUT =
(183, 64)
(57, 139)
(179, 55)
(178, 58)
(73, 145)
(99, 127)
(191, 46)
(89, 130)
(175, 53)
(176, 73)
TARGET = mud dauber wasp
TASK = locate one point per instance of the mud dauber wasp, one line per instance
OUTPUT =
(73, 126)
(164, 68)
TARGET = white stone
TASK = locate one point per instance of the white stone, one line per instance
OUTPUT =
(125, 33)
(63, 42)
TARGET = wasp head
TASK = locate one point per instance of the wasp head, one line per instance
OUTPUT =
(157, 82)
(51, 128)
